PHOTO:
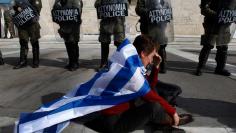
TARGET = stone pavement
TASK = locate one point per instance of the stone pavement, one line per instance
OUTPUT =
(210, 98)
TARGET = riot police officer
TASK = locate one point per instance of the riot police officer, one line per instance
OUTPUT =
(112, 22)
(217, 30)
(28, 29)
(1, 59)
(8, 23)
(155, 16)
(69, 28)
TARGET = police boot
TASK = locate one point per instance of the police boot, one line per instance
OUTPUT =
(74, 57)
(203, 56)
(162, 53)
(23, 55)
(35, 50)
(221, 57)
(1, 59)
(104, 56)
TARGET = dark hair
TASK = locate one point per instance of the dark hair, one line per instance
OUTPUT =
(145, 44)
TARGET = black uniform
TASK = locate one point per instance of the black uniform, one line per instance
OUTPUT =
(28, 30)
(1, 59)
(69, 29)
(217, 31)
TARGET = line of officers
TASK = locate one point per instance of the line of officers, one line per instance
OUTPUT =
(154, 15)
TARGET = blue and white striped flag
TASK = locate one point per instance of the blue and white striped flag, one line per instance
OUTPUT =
(123, 81)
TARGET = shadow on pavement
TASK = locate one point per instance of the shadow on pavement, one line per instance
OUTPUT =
(185, 66)
(220, 110)
(51, 97)
(7, 129)
(89, 64)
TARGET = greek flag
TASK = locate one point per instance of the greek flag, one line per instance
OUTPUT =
(123, 81)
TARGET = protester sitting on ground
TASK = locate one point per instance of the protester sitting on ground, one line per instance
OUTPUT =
(151, 108)
(112, 96)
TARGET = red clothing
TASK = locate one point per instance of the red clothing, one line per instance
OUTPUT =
(151, 96)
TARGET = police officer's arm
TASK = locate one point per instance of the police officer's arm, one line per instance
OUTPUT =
(140, 8)
(205, 9)
(97, 3)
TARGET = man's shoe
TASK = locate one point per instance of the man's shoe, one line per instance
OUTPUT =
(198, 72)
(73, 67)
(223, 72)
(20, 65)
(1, 61)
(185, 119)
(35, 65)
(163, 70)
(102, 67)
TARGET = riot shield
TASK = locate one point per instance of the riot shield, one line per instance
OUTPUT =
(160, 15)
(24, 13)
(68, 13)
(227, 11)
(112, 8)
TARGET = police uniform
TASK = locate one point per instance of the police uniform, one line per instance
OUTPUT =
(110, 26)
(30, 32)
(215, 33)
(154, 30)
(8, 24)
(70, 32)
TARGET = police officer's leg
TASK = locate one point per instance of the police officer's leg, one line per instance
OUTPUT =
(105, 40)
(162, 53)
(35, 51)
(6, 29)
(221, 57)
(222, 49)
(11, 30)
(1, 59)
(74, 55)
(23, 54)
(76, 48)
(208, 44)
(69, 53)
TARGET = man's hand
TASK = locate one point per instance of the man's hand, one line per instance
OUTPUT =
(157, 60)
(176, 119)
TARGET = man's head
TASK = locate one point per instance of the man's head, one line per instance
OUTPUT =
(146, 49)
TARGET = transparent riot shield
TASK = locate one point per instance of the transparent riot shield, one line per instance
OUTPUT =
(23, 13)
(111, 8)
(160, 16)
